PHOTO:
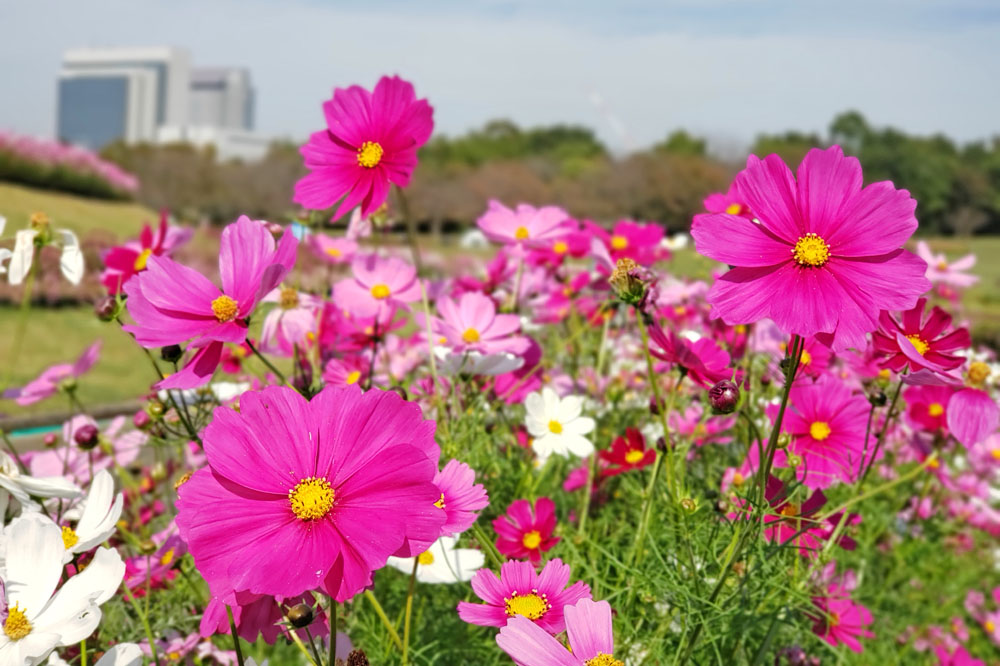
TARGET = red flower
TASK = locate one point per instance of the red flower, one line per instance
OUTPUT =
(526, 533)
(627, 453)
(919, 343)
(706, 362)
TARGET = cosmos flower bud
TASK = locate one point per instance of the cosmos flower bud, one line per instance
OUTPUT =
(86, 436)
(106, 308)
(171, 353)
(357, 658)
(155, 409)
(724, 397)
(141, 419)
(147, 547)
(689, 505)
(878, 398)
(300, 615)
(630, 281)
(50, 439)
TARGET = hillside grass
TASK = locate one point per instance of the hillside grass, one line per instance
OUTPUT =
(79, 214)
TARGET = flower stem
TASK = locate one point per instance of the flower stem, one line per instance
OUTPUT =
(83, 652)
(270, 366)
(409, 610)
(333, 632)
(145, 625)
(236, 638)
(370, 596)
(491, 551)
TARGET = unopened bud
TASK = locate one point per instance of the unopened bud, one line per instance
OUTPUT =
(794, 460)
(171, 353)
(141, 419)
(878, 399)
(147, 547)
(300, 615)
(629, 281)
(784, 439)
(50, 439)
(689, 505)
(86, 436)
(155, 409)
(158, 472)
(724, 397)
(106, 308)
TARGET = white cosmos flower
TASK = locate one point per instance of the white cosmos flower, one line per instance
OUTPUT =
(39, 617)
(556, 425)
(99, 513)
(122, 654)
(23, 487)
(475, 363)
(442, 562)
(70, 261)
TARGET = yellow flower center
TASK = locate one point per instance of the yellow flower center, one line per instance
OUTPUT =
(440, 503)
(819, 430)
(532, 606)
(634, 456)
(978, 373)
(531, 540)
(883, 373)
(738, 479)
(834, 619)
(289, 298)
(935, 409)
(70, 537)
(700, 431)
(425, 558)
(734, 209)
(806, 358)
(224, 308)
(140, 261)
(174, 656)
(471, 335)
(995, 453)
(521, 233)
(311, 498)
(353, 377)
(739, 329)
(560, 247)
(555, 427)
(38, 220)
(918, 344)
(333, 252)
(17, 625)
(942, 266)
(168, 557)
(369, 154)
(811, 250)
(790, 510)
(619, 242)
(604, 660)
(381, 291)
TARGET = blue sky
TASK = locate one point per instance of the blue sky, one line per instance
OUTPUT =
(631, 70)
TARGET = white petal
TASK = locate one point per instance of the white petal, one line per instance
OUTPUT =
(3, 224)
(97, 583)
(570, 408)
(24, 253)
(49, 486)
(546, 445)
(71, 260)
(535, 406)
(577, 445)
(580, 426)
(34, 562)
(5, 254)
(125, 654)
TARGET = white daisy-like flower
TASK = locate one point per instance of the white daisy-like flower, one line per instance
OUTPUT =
(40, 618)
(70, 260)
(475, 363)
(442, 562)
(556, 426)
(99, 512)
(23, 487)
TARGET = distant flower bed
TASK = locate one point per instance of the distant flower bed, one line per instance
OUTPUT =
(52, 165)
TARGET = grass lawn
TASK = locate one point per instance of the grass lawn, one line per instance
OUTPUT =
(78, 214)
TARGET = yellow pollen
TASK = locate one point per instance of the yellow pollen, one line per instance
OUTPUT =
(531, 540)
(883, 373)
(634, 456)
(989, 626)
(311, 498)
(811, 250)
(942, 266)
(381, 291)
(619, 242)
(333, 252)
(70, 538)
(168, 557)
(700, 431)
(790, 510)
(471, 335)
(555, 427)
(819, 430)
(604, 660)
(995, 453)
(289, 298)
(978, 373)
(935, 409)
(353, 377)
(834, 620)
(679, 310)
(140, 261)
(440, 503)
(734, 209)
(918, 344)
(369, 154)
(224, 308)
(560, 247)
(521, 233)
(806, 358)
(174, 656)
(531, 606)
(739, 329)
(425, 558)
(17, 625)
(38, 220)
(738, 479)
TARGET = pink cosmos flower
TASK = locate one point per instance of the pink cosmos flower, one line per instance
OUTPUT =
(520, 590)
(591, 639)
(371, 141)
(730, 203)
(461, 497)
(626, 453)
(335, 486)
(332, 250)
(957, 657)
(706, 362)
(525, 226)
(841, 620)
(473, 324)
(971, 413)
(827, 424)
(825, 256)
(171, 303)
(262, 615)
(526, 532)
(939, 271)
(919, 343)
(290, 323)
(346, 371)
(639, 242)
(926, 406)
(49, 382)
(689, 424)
(124, 261)
(815, 359)
(379, 283)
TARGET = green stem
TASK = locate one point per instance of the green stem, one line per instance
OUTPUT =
(270, 366)
(83, 652)
(384, 618)
(411, 229)
(145, 625)
(409, 610)
(236, 638)
(496, 559)
(333, 632)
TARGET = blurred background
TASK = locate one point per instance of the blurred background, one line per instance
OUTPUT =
(113, 110)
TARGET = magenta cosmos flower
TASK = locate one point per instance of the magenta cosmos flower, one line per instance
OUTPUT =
(706, 363)
(591, 639)
(918, 342)
(525, 226)
(371, 140)
(524, 532)
(379, 283)
(53, 377)
(472, 324)
(841, 620)
(124, 261)
(303, 495)
(461, 497)
(520, 590)
(823, 257)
